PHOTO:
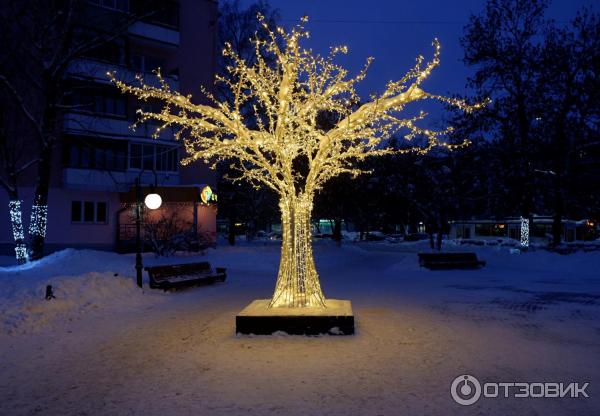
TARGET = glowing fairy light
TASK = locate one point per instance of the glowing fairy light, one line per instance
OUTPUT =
(39, 218)
(287, 97)
(524, 232)
(21, 253)
(14, 209)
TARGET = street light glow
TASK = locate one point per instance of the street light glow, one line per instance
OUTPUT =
(153, 201)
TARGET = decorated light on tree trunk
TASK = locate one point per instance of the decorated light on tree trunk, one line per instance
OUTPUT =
(286, 99)
(524, 232)
(39, 217)
(16, 220)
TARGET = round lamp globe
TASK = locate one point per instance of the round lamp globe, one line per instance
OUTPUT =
(153, 201)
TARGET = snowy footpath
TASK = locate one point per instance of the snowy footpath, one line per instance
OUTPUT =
(105, 347)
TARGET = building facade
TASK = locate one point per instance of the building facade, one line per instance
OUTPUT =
(540, 229)
(99, 157)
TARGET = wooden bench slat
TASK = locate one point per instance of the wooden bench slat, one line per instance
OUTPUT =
(175, 275)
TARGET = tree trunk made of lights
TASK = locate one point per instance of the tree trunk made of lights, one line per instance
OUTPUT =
(297, 281)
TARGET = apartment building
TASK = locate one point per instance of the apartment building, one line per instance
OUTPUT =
(99, 157)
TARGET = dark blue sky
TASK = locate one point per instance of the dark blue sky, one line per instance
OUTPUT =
(395, 45)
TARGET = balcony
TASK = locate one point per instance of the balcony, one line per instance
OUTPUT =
(155, 32)
(90, 68)
(104, 126)
(159, 21)
(117, 181)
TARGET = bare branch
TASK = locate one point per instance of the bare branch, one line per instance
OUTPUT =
(22, 106)
(26, 165)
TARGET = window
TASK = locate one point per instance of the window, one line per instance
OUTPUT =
(166, 159)
(540, 230)
(463, 231)
(101, 212)
(96, 98)
(89, 153)
(483, 230)
(148, 157)
(110, 105)
(135, 156)
(151, 157)
(89, 212)
(76, 211)
(499, 230)
(86, 157)
(100, 158)
(145, 63)
(112, 52)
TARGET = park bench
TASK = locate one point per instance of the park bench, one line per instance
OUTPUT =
(175, 276)
(445, 261)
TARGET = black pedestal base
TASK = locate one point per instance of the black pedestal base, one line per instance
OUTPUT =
(258, 319)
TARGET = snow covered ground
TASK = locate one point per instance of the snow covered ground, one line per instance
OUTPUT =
(104, 347)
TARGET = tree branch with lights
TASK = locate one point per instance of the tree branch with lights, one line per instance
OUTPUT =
(286, 99)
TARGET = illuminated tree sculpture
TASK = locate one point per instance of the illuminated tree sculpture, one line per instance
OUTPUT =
(287, 150)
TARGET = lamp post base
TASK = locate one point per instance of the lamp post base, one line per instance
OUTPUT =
(257, 318)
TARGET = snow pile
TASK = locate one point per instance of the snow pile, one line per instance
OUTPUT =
(26, 310)
(77, 289)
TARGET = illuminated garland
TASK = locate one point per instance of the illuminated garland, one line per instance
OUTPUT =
(14, 209)
(286, 99)
(39, 218)
(21, 253)
(524, 232)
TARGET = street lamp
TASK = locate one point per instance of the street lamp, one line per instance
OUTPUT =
(152, 201)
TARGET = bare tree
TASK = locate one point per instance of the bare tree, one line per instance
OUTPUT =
(543, 78)
(41, 39)
(569, 103)
(502, 44)
(237, 25)
(15, 160)
(287, 151)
